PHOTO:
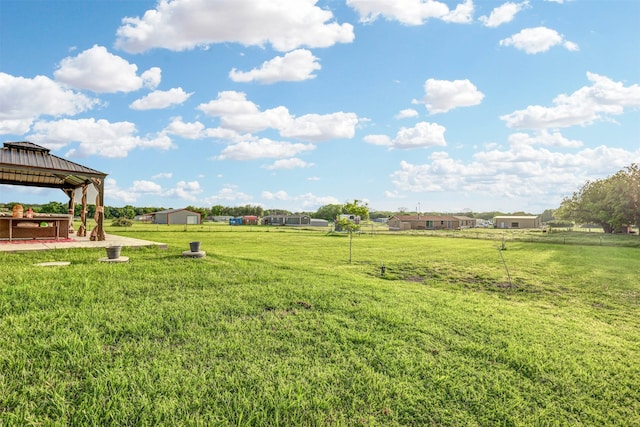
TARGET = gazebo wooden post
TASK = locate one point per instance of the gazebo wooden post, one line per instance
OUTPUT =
(98, 232)
(71, 193)
(101, 235)
(82, 231)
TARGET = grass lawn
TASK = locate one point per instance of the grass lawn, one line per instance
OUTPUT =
(276, 327)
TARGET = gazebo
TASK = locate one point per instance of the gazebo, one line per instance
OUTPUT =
(25, 163)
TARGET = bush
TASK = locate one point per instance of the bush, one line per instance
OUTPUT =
(560, 224)
(122, 222)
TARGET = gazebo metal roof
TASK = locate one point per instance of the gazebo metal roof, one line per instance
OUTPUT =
(25, 163)
(28, 164)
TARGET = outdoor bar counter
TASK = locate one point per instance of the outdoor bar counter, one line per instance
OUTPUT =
(38, 227)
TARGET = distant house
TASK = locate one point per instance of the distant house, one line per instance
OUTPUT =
(517, 221)
(466, 222)
(250, 220)
(424, 222)
(235, 221)
(175, 216)
(287, 220)
(143, 218)
(353, 218)
(319, 222)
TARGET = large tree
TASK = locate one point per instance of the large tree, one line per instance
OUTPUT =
(612, 202)
(358, 207)
(328, 212)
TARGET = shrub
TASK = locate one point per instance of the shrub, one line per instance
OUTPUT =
(122, 222)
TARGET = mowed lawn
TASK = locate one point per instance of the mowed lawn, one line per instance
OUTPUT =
(276, 327)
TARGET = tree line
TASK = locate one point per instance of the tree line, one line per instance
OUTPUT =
(328, 212)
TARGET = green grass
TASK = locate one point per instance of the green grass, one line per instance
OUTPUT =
(275, 327)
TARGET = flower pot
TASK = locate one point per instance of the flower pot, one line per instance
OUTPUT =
(113, 252)
(194, 246)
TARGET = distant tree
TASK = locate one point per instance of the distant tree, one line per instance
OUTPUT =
(358, 207)
(328, 212)
(611, 203)
(218, 210)
(201, 211)
(91, 211)
(54, 208)
(128, 211)
(380, 214)
(547, 215)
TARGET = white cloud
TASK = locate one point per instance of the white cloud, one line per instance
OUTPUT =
(185, 24)
(114, 192)
(151, 78)
(306, 202)
(394, 195)
(321, 127)
(503, 14)
(146, 187)
(241, 115)
(99, 71)
(163, 175)
(520, 172)
(291, 163)
(462, 14)
(412, 12)
(160, 99)
(295, 66)
(378, 140)
(278, 195)
(177, 127)
(95, 137)
(185, 190)
(586, 105)
(444, 95)
(544, 137)
(406, 114)
(537, 40)
(262, 148)
(423, 134)
(23, 100)
(227, 194)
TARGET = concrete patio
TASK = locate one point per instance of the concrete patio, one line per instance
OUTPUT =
(76, 242)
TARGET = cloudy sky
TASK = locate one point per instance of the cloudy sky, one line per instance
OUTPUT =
(294, 104)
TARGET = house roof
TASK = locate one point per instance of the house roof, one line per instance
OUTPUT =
(517, 216)
(170, 211)
(28, 164)
(425, 217)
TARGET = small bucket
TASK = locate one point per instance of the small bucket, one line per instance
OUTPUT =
(113, 252)
(194, 246)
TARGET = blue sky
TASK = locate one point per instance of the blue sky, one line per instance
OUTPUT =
(294, 104)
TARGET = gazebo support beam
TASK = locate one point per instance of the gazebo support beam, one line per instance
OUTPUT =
(82, 231)
(98, 232)
(71, 193)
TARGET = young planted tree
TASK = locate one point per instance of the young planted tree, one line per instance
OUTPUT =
(350, 227)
